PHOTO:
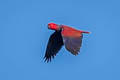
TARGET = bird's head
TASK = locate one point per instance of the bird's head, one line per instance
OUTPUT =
(53, 26)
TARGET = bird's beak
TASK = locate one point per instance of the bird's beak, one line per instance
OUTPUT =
(48, 27)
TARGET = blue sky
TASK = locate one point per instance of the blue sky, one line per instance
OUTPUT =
(24, 36)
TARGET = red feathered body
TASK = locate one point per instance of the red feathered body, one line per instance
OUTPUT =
(70, 32)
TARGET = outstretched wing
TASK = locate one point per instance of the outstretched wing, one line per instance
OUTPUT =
(73, 44)
(54, 45)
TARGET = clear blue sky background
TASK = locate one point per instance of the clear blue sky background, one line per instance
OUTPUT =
(24, 36)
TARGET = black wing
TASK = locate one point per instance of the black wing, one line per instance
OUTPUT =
(54, 45)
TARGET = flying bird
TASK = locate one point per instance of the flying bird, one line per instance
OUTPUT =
(63, 35)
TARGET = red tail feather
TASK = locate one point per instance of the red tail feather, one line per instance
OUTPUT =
(85, 32)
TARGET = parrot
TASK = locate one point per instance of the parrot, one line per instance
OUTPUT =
(65, 35)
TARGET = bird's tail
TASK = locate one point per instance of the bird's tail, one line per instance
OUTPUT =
(85, 32)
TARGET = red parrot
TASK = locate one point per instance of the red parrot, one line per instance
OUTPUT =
(63, 35)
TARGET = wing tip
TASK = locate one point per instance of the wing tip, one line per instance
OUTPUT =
(48, 59)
